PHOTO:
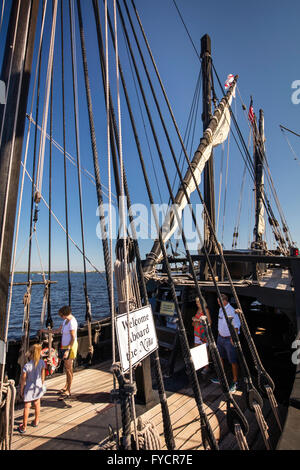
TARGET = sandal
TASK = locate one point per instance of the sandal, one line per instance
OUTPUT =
(62, 391)
(35, 425)
(64, 396)
(21, 429)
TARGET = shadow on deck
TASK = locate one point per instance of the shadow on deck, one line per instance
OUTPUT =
(81, 422)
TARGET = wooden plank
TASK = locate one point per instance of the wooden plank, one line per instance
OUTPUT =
(53, 430)
(54, 416)
(85, 389)
(84, 418)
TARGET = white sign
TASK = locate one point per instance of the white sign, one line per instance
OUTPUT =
(142, 333)
(2, 92)
(199, 356)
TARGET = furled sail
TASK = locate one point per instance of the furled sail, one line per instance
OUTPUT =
(216, 132)
(259, 157)
(261, 215)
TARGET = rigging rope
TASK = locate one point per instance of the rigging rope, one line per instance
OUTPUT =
(71, 159)
(7, 406)
(237, 224)
(272, 220)
(181, 17)
(39, 176)
(107, 101)
(226, 187)
(23, 53)
(88, 315)
(291, 148)
(64, 152)
(205, 426)
(262, 372)
(20, 203)
(199, 234)
(2, 13)
(123, 221)
(250, 166)
(63, 228)
(162, 396)
(144, 125)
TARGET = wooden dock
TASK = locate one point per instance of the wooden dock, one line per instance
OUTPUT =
(81, 422)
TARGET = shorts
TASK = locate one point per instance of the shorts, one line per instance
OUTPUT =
(226, 349)
(73, 350)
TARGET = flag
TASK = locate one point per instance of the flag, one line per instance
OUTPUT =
(229, 81)
(251, 112)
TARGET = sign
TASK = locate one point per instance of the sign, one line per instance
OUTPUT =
(167, 308)
(199, 356)
(2, 92)
(142, 333)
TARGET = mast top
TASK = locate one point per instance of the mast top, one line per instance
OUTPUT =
(205, 45)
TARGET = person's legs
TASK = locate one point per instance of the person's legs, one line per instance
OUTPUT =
(26, 414)
(235, 371)
(37, 407)
(232, 357)
(69, 374)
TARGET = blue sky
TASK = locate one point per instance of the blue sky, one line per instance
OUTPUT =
(259, 41)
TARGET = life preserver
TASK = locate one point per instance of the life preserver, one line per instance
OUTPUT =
(50, 368)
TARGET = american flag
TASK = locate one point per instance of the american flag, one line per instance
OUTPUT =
(251, 112)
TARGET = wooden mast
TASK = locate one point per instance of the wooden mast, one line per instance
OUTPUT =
(13, 119)
(259, 140)
(208, 174)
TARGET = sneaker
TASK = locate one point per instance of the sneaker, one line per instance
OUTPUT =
(233, 387)
(214, 380)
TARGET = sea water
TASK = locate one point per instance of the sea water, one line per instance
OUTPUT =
(97, 292)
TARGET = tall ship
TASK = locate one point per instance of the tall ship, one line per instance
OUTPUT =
(80, 78)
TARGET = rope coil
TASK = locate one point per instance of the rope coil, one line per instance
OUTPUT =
(147, 435)
(7, 414)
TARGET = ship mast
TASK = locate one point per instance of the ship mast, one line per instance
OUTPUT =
(208, 173)
(16, 72)
(209, 192)
(259, 140)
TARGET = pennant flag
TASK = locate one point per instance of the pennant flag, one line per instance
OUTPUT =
(251, 112)
(229, 81)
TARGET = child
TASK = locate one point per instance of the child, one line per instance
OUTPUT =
(199, 330)
(32, 389)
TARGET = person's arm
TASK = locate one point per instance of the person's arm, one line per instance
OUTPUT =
(236, 323)
(43, 375)
(54, 332)
(22, 384)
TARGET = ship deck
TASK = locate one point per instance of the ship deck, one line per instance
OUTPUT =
(81, 422)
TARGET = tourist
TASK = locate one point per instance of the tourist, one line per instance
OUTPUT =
(68, 348)
(224, 341)
(32, 388)
(200, 336)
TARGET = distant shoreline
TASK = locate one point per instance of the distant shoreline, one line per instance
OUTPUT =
(59, 272)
